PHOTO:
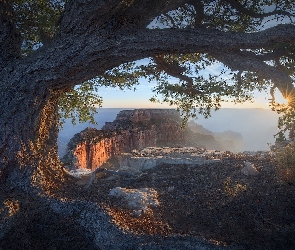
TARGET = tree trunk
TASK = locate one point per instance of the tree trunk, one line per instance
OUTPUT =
(28, 142)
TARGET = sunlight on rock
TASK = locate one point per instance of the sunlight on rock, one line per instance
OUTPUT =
(233, 189)
(217, 242)
(145, 224)
(140, 200)
(11, 206)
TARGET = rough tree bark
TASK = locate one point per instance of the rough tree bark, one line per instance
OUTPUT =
(29, 129)
(93, 38)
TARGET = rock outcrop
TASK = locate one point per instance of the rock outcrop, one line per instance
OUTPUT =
(132, 129)
(139, 200)
(138, 161)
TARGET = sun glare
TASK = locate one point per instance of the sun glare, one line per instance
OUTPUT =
(290, 98)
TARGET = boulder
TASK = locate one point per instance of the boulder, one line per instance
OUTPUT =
(138, 200)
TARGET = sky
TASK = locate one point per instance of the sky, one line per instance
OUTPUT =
(140, 99)
(115, 98)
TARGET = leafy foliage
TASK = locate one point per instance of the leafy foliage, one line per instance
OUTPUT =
(286, 122)
(36, 21)
(181, 79)
(81, 102)
(126, 75)
(206, 92)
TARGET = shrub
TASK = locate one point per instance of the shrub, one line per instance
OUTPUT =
(285, 162)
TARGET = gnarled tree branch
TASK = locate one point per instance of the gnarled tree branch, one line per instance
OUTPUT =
(112, 14)
(9, 38)
(72, 60)
(175, 70)
(241, 8)
(248, 61)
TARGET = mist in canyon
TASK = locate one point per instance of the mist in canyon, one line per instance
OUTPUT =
(256, 126)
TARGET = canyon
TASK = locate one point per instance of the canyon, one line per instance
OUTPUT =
(132, 130)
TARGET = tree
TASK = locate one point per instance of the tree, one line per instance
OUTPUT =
(49, 47)
(55, 54)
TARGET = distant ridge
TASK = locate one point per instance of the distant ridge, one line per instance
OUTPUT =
(228, 140)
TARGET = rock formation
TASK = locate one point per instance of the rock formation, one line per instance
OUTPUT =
(132, 129)
(139, 200)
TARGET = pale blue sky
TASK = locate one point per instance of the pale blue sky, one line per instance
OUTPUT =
(140, 99)
(114, 98)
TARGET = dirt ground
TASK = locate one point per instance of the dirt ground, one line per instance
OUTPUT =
(215, 202)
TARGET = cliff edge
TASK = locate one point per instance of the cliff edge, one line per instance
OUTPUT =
(132, 129)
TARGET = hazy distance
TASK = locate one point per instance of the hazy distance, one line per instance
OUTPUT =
(257, 126)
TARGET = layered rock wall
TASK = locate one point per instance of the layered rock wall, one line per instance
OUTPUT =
(132, 129)
(93, 153)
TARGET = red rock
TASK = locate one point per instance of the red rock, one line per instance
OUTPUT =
(132, 129)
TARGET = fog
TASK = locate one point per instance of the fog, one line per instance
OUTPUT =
(257, 126)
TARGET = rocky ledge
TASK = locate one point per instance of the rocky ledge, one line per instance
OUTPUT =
(220, 200)
(230, 201)
(132, 130)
